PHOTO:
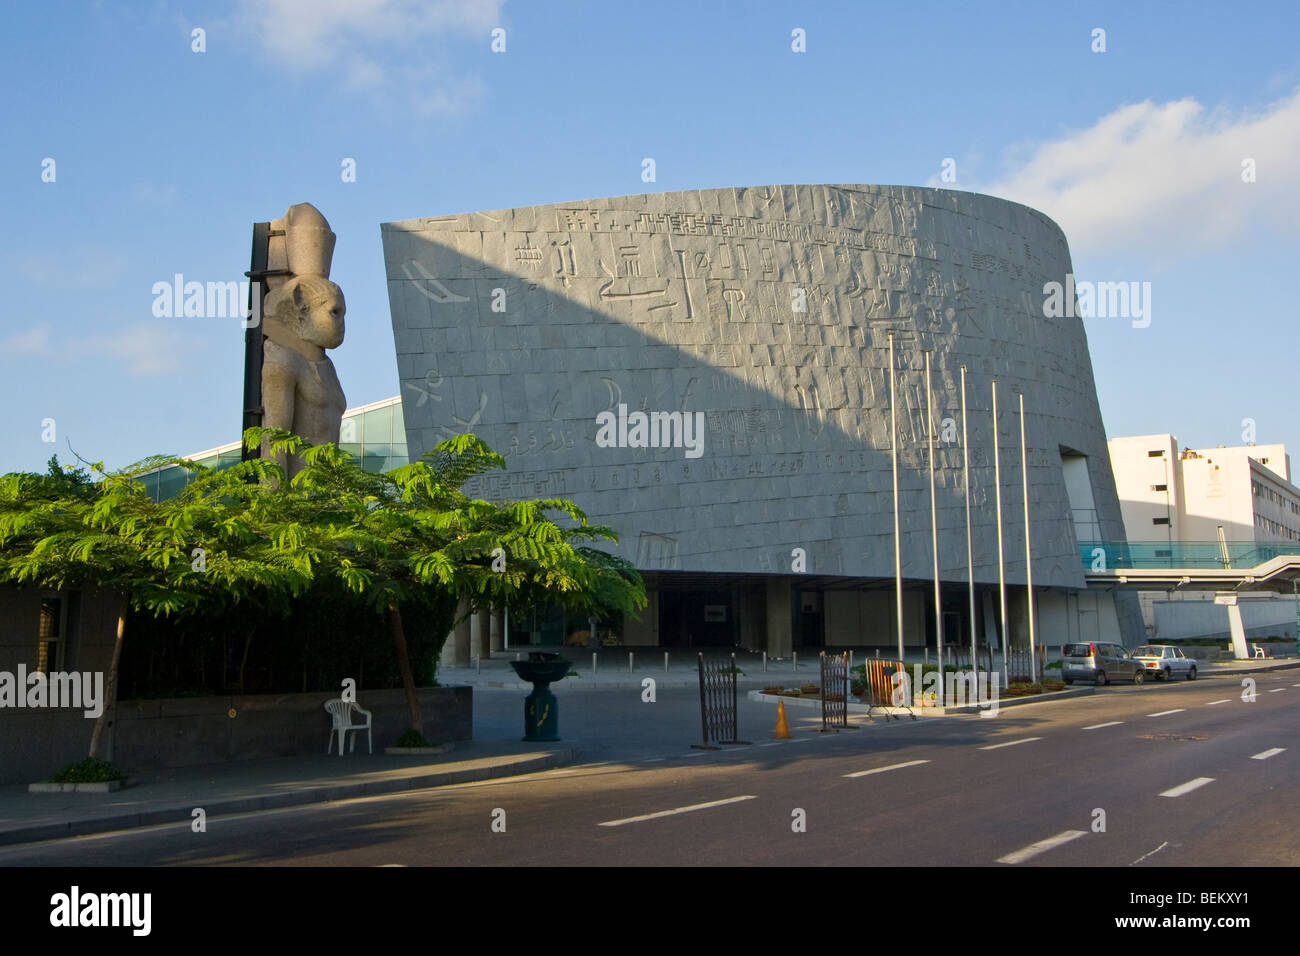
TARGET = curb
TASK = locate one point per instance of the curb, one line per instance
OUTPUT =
(275, 801)
(919, 711)
(1247, 670)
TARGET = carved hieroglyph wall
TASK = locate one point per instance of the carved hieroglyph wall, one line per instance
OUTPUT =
(767, 309)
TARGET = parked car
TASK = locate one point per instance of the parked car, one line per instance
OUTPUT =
(1165, 662)
(1099, 663)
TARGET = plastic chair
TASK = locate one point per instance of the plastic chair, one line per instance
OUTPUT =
(1259, 651)
(340, 712)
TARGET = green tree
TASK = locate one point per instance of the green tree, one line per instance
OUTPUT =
(413, 534)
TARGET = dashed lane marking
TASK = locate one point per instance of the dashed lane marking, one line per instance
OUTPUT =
(1166, 713)
(1187, 787)
(1109, 723)
(676, 810)
(1042, 846)
(1265, 754)
(894, 766)
(1011, 743)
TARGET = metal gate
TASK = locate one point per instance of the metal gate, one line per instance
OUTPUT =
(835, 692)
(718, 703)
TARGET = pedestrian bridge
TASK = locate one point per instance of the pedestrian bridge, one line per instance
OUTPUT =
(1197, 565)
(1223, 567)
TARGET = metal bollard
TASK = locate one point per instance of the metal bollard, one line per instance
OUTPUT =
(665, 662)
(795, 655)
(765, 662)
(629, 662)
(593, 663)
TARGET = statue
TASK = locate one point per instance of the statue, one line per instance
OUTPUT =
(302, 317)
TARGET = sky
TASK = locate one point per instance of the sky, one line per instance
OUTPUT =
(164, 155)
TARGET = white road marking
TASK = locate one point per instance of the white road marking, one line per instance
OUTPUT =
(1166, 713)
(1011, 743)
(669, 813)
(1152, 853)
(1295, 685)
(894, 766)
(1226, 700)
(653, 759)
(1187, 787)
(696, 753)
(1265, 754)
(1042, 846)
(775, 743)
(1277, 690)
(1109, 723)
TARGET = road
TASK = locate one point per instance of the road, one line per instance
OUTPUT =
(1187, 774)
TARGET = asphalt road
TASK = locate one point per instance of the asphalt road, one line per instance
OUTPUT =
(1186, 774)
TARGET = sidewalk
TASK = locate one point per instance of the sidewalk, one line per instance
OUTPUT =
(612, 671)
(168, 796)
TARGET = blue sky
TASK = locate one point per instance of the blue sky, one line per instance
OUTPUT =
(164, 157)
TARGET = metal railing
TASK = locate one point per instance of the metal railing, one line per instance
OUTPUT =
(1116, 555)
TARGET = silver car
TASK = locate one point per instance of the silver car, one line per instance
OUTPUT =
(1165, 662)
(1099, 663)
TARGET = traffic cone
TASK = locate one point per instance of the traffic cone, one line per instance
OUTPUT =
(782, 730)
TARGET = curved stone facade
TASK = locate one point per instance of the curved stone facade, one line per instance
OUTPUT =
(762, 314)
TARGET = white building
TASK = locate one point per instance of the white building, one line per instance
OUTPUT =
(1206, 502)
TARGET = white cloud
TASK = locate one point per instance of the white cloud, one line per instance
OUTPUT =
(389, 49)
(309, 34)
(1168, 176)
(147, 349)
(35, 341)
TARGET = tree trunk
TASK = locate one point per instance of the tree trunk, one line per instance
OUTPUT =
(404, 665)
(243, 661)
(110, 692)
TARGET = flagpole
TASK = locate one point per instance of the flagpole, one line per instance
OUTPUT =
(934, 522)
(1002, 575)
(970, 561)
(898, 552)
(1029, 564)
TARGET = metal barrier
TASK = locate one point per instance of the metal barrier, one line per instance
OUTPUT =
(881, 689)
(718, 703)
(835, 692)
(1018, 663)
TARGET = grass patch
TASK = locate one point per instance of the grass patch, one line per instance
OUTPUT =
(90, 770)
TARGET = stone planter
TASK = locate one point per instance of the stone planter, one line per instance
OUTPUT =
(416, 751)
(104, 786)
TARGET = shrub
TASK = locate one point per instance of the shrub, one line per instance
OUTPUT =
(90, 770)
(412, 738)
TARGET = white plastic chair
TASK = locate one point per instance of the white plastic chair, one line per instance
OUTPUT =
(341, 714)
(1259, 651)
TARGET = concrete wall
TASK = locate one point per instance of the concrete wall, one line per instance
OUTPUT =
(1177, 620)
(192, 731)
(89, 628)
(686, 302)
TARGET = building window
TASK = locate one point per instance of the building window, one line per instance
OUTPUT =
(1155, 454)
(49, 636)
(1160, 521)
(1159, 487)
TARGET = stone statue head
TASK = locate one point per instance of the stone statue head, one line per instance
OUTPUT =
(309, 308)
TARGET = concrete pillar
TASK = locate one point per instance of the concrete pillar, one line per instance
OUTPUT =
(1235, 627)
(780, 640)
(497, 632)
(480, 629)
(455, 652)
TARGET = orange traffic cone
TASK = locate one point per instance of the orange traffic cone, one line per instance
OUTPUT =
(782, 730)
